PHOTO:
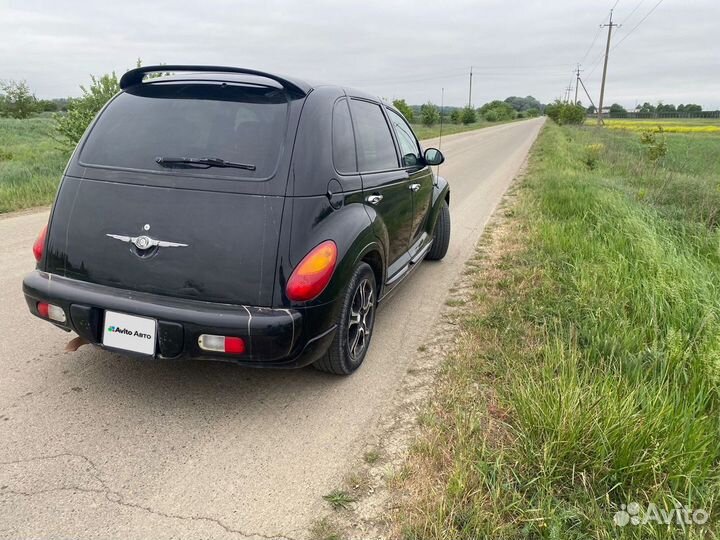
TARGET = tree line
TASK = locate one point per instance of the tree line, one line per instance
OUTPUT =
(512, 107)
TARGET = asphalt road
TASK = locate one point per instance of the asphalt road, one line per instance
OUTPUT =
(94, 445)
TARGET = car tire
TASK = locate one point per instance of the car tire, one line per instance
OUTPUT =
(355, 325)
(441, 234)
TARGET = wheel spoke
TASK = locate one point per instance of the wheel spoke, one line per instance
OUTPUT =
(356, 341)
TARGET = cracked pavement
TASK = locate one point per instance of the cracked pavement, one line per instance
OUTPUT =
(95, 445)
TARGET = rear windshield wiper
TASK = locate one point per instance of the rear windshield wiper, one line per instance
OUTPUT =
(205, 161)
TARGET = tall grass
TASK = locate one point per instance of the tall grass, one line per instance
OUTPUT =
(594, 343)
(31, 163)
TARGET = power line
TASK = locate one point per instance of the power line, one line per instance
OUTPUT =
(640, 3)
(597, 34)
(638, 24)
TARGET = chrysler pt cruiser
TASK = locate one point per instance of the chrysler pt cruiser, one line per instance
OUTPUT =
(227, 213)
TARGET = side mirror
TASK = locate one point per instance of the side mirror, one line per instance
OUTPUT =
(433, 156)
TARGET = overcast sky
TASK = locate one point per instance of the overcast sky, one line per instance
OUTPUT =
(394, 49)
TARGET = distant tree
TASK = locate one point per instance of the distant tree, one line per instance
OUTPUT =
(17, 100)
(523, 103)
(663, 108)
(469, 116)
(692, 108)
(429, 114)
(617, 111)
(81, 111)
(532, 113)
(404, 108)
(646, 108)
(456, 116)
(46, 105)
(499, 110)
(591, 109)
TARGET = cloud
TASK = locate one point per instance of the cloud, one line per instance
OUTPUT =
(394, 49)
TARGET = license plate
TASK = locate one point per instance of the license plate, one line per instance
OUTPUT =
(129, 332)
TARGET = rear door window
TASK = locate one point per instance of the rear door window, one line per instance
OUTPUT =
(376, 149)
(242, 124)
(343, 139)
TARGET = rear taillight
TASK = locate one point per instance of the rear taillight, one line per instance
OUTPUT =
(52, 312)
(312, 275)
(223, 344)
(39, 245)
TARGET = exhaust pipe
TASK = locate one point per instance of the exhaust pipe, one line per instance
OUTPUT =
(75, 343)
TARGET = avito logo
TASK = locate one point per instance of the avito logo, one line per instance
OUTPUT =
(127, 332)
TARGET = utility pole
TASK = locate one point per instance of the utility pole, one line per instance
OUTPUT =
(607, 53)
(568, 93)
(470, 94)
(577, 82)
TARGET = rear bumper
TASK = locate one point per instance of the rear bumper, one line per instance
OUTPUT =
(273, 337)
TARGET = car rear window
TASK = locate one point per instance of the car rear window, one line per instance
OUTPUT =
(242, 124)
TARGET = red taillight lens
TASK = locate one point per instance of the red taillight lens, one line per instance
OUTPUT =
(313, 273)
(39, 245)
(234, 345)
(43, 309)
(51, 311)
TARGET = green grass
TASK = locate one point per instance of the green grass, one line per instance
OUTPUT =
(31, 163)
(339, 499)
(588, 370)
(430, 132)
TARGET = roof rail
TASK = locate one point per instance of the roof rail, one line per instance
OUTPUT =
(135, 76)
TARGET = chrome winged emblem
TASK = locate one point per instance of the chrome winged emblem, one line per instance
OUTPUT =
(145, 242)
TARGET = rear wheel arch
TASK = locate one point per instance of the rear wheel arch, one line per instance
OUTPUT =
(374, 259)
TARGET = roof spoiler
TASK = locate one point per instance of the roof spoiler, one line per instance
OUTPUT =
(135, 76)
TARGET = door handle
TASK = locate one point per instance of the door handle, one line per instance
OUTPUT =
(375, 198)
(414, 187)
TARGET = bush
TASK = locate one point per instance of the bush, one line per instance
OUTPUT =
(591, 154)
(81, 111)
(469, 116)
(655, 143)
(404, 108)
(429, 114)
(566, 113)
(491, 116)
(532, 113)
(500, 110)
(17, 101)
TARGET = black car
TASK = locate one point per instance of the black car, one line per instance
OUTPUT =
(232, 214)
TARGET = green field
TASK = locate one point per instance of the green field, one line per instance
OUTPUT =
(588, 366)
(31, 163)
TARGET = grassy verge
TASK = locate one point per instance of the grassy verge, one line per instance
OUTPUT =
(430, 132)
(30, 163)
(586, 375)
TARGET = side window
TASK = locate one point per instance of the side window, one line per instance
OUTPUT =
(376, 150)
(343, 139)
(408, 144)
